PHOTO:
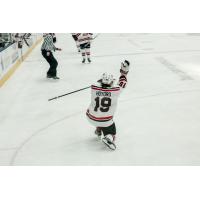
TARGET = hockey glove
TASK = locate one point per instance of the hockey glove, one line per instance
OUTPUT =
(125, 67)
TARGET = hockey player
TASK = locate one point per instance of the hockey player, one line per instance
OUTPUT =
(104, 97)
(74, 35)
(84, 40)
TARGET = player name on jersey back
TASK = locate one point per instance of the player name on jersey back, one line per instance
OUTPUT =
(105, 94)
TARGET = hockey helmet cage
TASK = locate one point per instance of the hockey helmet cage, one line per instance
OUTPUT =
(107, 79)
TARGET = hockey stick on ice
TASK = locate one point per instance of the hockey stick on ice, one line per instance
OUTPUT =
(69, 93)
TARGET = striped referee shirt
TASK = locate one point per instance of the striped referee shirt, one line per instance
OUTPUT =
(48, 44)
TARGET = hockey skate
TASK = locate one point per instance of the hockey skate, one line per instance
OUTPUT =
(53, 77)
(89, 60)
(108, 140)
(83, 61)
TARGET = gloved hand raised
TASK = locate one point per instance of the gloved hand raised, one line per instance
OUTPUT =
(124, 67)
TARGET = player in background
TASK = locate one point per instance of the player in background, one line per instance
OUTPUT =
(84, 40)
(74, 35)
(104, 98)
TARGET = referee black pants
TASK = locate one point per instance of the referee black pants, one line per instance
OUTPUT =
(52, 72)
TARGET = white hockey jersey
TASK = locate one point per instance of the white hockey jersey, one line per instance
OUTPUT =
(103, 105)
(84, 37)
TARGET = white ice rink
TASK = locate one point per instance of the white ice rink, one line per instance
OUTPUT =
(158, 115)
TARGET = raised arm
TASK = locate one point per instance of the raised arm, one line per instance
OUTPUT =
(124, 71)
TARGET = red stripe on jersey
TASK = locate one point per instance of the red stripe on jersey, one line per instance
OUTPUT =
(105, 90)
(83, 39)
(99, 118)
(123, 79)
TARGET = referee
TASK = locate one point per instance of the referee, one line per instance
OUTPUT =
(47, 48)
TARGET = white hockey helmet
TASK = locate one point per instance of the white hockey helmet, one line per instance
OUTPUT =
(107, 79)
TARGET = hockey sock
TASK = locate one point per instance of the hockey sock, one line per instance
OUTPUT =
(88, 53)
(83, 55)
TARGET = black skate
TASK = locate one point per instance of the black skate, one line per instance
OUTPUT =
(83, 61)
(55, 77)
(89, 60)
(110, 144)
(48, 76)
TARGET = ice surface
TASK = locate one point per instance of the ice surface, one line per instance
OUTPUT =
(158, 115)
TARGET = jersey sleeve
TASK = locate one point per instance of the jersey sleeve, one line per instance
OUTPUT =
(122, 81)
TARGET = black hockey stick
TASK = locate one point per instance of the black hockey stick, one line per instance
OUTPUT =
(69, 93)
